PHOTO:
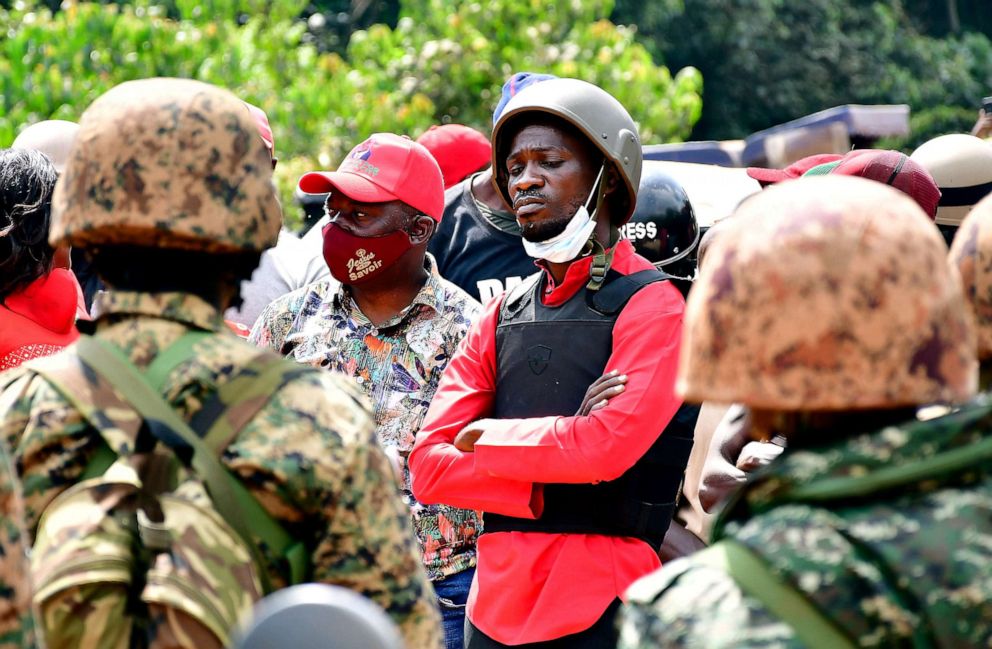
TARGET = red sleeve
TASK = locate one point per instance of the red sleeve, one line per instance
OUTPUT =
(603, 445)
(439, 471)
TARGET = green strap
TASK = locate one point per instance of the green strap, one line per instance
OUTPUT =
(105, 454)
(177, 353)
(953, 461)
(102, 459)
(756, 579)
(602, 260)
(245, 394)
(157, 372)
(238, 507)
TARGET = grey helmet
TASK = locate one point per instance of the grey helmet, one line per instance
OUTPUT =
(590, 109)
(317, 616)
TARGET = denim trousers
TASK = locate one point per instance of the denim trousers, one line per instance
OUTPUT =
(452, 595)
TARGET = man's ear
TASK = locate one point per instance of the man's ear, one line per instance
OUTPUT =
(421, 229)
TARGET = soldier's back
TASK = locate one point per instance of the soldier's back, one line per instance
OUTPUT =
(888, 535)
(308, 456)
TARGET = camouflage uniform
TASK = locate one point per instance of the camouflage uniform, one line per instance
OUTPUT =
(908, 563)
(201, 181)
(833, 296)
(16, 621)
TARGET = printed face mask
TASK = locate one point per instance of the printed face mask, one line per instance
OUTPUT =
(353, 259)
(567, 245)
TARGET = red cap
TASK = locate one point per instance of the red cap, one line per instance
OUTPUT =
(459, 150)
(798, 168)
(383, 168)
(892, 168)
(240, 330)
(262, 122)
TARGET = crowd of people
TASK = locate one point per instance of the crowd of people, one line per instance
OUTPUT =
(507, 388)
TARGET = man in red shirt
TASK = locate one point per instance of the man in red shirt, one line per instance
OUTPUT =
(578, 490)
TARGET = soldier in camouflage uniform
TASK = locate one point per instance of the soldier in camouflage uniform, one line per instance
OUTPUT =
(828, 309)
(169, 189)
(971, 253)
(16, 621)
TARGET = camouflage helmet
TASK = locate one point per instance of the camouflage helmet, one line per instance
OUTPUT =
(167, 163)
(971, 253)
(829, 293)
(590, 109)
(663, 228)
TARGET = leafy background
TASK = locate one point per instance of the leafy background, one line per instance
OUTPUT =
(330, 72)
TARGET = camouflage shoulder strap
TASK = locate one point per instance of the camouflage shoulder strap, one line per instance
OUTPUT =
(814, 629)
(239, 399)
(172, 357)
(100, 374)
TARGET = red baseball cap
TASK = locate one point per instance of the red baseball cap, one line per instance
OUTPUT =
(889, 167)
(386, 167)
(458, 149)
(798, 168)
(264, 130)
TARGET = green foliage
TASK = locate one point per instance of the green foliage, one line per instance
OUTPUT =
(767, 61)
(937, 18)
(457, 55)
(444, 61)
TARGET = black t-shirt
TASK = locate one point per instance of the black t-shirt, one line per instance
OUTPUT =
(474, 254)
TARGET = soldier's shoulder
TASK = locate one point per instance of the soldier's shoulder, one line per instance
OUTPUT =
(328, 401)
(304, 401)
(687, 603)
(23, 385)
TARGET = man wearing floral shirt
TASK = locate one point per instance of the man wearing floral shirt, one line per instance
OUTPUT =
(392, 324)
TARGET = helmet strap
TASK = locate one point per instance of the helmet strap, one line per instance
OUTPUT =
(602, 260)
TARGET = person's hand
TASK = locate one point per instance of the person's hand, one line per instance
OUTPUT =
(732, 456)
(467, 437)
(755, 455)
(601, 391)
(983, 127)
(720, 475)
(396, 461)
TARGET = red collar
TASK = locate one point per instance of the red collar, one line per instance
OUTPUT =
(50, 301)
(577, 274)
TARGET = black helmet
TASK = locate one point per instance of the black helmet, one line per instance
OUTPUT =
(313, 208)
(663, 228)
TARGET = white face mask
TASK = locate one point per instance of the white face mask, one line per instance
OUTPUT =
(567, 245)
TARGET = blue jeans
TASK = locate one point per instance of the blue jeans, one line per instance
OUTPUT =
(452, 594)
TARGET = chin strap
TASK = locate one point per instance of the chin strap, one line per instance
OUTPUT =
(602, 260)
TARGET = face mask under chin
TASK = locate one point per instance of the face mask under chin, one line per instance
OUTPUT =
(568, 244)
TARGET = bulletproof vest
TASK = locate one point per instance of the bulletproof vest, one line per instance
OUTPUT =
(546, 358)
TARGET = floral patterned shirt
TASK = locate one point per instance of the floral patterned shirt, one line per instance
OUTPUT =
(398, 365)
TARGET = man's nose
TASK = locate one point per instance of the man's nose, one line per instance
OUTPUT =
(529, 178)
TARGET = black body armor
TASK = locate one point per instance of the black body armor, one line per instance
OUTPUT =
(546, 358)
